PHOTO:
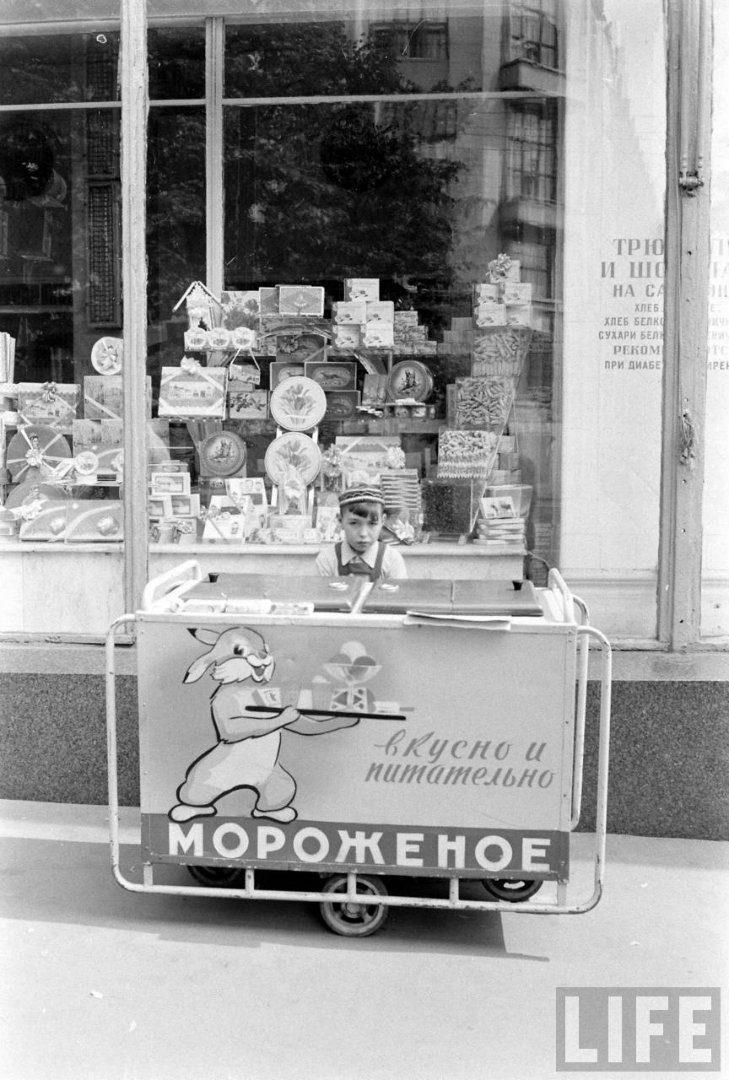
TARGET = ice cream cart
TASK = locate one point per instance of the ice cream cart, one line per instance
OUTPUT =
(362, 733)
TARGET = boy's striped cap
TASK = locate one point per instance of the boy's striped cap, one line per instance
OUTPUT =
(361, 494)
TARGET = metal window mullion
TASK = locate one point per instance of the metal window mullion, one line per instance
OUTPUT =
(214, 75)
(134, 108)
(687, 258)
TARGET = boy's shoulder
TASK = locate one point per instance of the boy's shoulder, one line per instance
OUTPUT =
(393, 561)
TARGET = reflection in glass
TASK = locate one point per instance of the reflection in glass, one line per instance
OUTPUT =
(419, 192)
(176, 62)
(59, 68)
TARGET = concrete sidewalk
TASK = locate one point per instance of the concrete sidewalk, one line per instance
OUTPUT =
(101, 984)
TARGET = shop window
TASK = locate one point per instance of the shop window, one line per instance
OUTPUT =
(423, 121)
(421, 40)
(531, 159)
(58, 68)
(533, 32)
(438, 199)
(176, 62)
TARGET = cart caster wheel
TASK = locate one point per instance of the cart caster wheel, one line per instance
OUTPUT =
(216, 877)
(353, 920)
(513, 891)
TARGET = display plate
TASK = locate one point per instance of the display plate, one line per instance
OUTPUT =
(107, 355)
(293, 453)
(298, 403)
(222, 454)
(33, 445)
(410, 379)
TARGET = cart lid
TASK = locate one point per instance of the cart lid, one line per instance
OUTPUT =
(495, 598)
(396, 597)
(441, 597)
(326, 594)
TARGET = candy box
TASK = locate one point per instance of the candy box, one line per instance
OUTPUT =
(274, 326)
(378, 335)
(240, 308)
(380, 311)
(104, 398)
(225, 521)
(192, 390)
(104, 439)
(301, 348)
(517, 292)
(349, 312)
(279, 372)
(268, 300)
(489, 314)
(51, 404)
(484, 292)
(408, 317)
(346, 337)
(301, 300)
(169, 483)
(243, 376)
(361, 288)
(244, 404)
(333, 375)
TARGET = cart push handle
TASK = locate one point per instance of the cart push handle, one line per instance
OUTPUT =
(556, 583)
(162, 591)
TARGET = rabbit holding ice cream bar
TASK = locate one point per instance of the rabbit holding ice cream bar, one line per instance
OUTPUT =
(248, 716)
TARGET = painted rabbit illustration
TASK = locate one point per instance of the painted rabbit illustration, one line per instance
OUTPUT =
(248, 729)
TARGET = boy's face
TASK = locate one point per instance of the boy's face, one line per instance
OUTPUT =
(361, 525)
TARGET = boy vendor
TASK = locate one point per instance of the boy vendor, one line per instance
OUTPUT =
(361, 512)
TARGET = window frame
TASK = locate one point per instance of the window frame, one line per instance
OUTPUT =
(687, 246)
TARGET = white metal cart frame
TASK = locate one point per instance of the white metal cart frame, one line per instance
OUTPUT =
(355, 889)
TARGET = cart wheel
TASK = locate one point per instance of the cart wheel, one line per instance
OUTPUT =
(353, 920)
(216, 876)
(512, 890)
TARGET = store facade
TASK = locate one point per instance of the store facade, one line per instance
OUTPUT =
(469, 250)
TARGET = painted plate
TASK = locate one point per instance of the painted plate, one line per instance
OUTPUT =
(293, 454)
(410, 379)
(222, 454)
(298, 403)
(31, 447)
(107, 354)
(30, 490)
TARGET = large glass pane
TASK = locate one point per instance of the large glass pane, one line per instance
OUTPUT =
(424, 147)
(176, 245)
(715, 561)
(421, 157)
(42, 69)
(60, 333)
(176, 62)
